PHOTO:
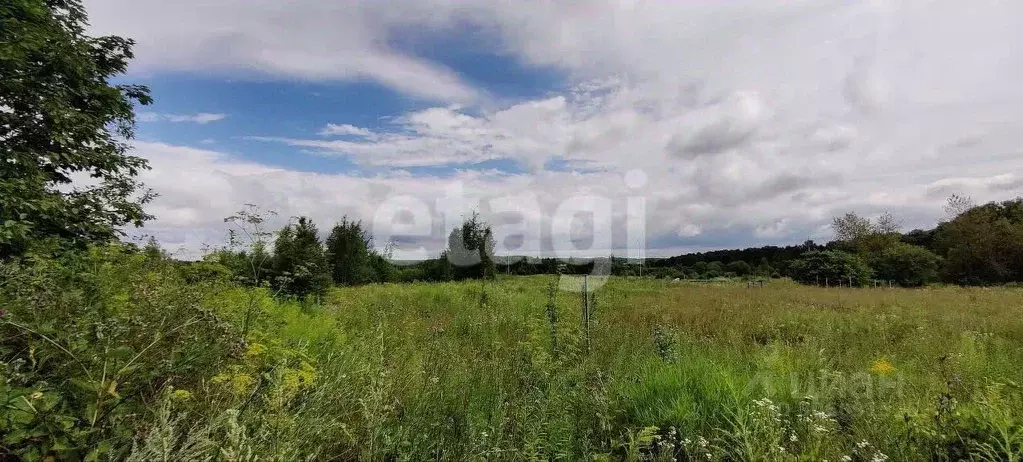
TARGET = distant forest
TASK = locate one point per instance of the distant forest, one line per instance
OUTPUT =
(975, 245)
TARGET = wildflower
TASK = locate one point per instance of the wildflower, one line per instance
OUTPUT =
(703, 442)
(846, 458)
(862, 444)
(793, 438)
(3, 313)
(819, 429)
(882, 367)
(180, 395)
(255, 350)
(36, 395)
(879, 457)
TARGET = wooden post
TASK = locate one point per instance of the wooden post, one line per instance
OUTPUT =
(586, 311)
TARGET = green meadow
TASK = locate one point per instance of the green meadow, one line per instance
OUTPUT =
(505, 369)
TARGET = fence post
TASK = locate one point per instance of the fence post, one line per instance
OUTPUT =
(586, 311)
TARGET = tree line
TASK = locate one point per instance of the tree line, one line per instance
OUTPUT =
(299, 263)
(974, 245)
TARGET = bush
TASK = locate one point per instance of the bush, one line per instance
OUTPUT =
(907, 265)
(830, 266)
(88, 340)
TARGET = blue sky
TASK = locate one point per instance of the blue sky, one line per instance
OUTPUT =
(692, 125)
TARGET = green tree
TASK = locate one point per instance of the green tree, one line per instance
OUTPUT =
(866, 238)
(739, 267)
(66, 174)
(830, 266)
(470, 252)
(715, 269)
(907, 265)
(349, 254)
(764, 268)
(983, 244)
(299, 262)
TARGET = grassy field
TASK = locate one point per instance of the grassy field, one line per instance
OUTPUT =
(111, 354)
(669, 370)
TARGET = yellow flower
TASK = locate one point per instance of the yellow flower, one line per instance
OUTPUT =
(238, 382)
(255, 350)
(180, 395)
(882, 367)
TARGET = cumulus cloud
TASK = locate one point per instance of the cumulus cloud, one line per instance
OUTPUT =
(752, 120)
(200, 118)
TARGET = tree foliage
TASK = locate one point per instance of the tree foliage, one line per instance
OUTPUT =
(830, 267)
(470, 252)
(66, 174)
(907, 265)
(348, 253)
(299, 261)
(983, 244)
(864, 237)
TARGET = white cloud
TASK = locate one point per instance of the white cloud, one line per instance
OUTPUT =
(750, 118)
(345, 130)
(306, 39)
(199, 187)
(201, 118)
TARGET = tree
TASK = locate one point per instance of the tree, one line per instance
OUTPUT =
(66, 174)
(715, 269)
(764, 269)
(850, 227)
(907, 265)
(739, 267)
(299, 261)
(348, 253)
(470, 252)
(830, 266)
(984, 244)
(865, 238)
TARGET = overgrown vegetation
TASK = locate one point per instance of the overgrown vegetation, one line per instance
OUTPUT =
(114, 353)
(260, 352)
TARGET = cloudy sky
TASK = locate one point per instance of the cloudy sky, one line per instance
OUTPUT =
(725, 123)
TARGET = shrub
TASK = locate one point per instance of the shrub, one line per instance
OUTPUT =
(830, 266)
(88, 341)
(907, 265)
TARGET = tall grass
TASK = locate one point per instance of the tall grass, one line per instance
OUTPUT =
(673, 371)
